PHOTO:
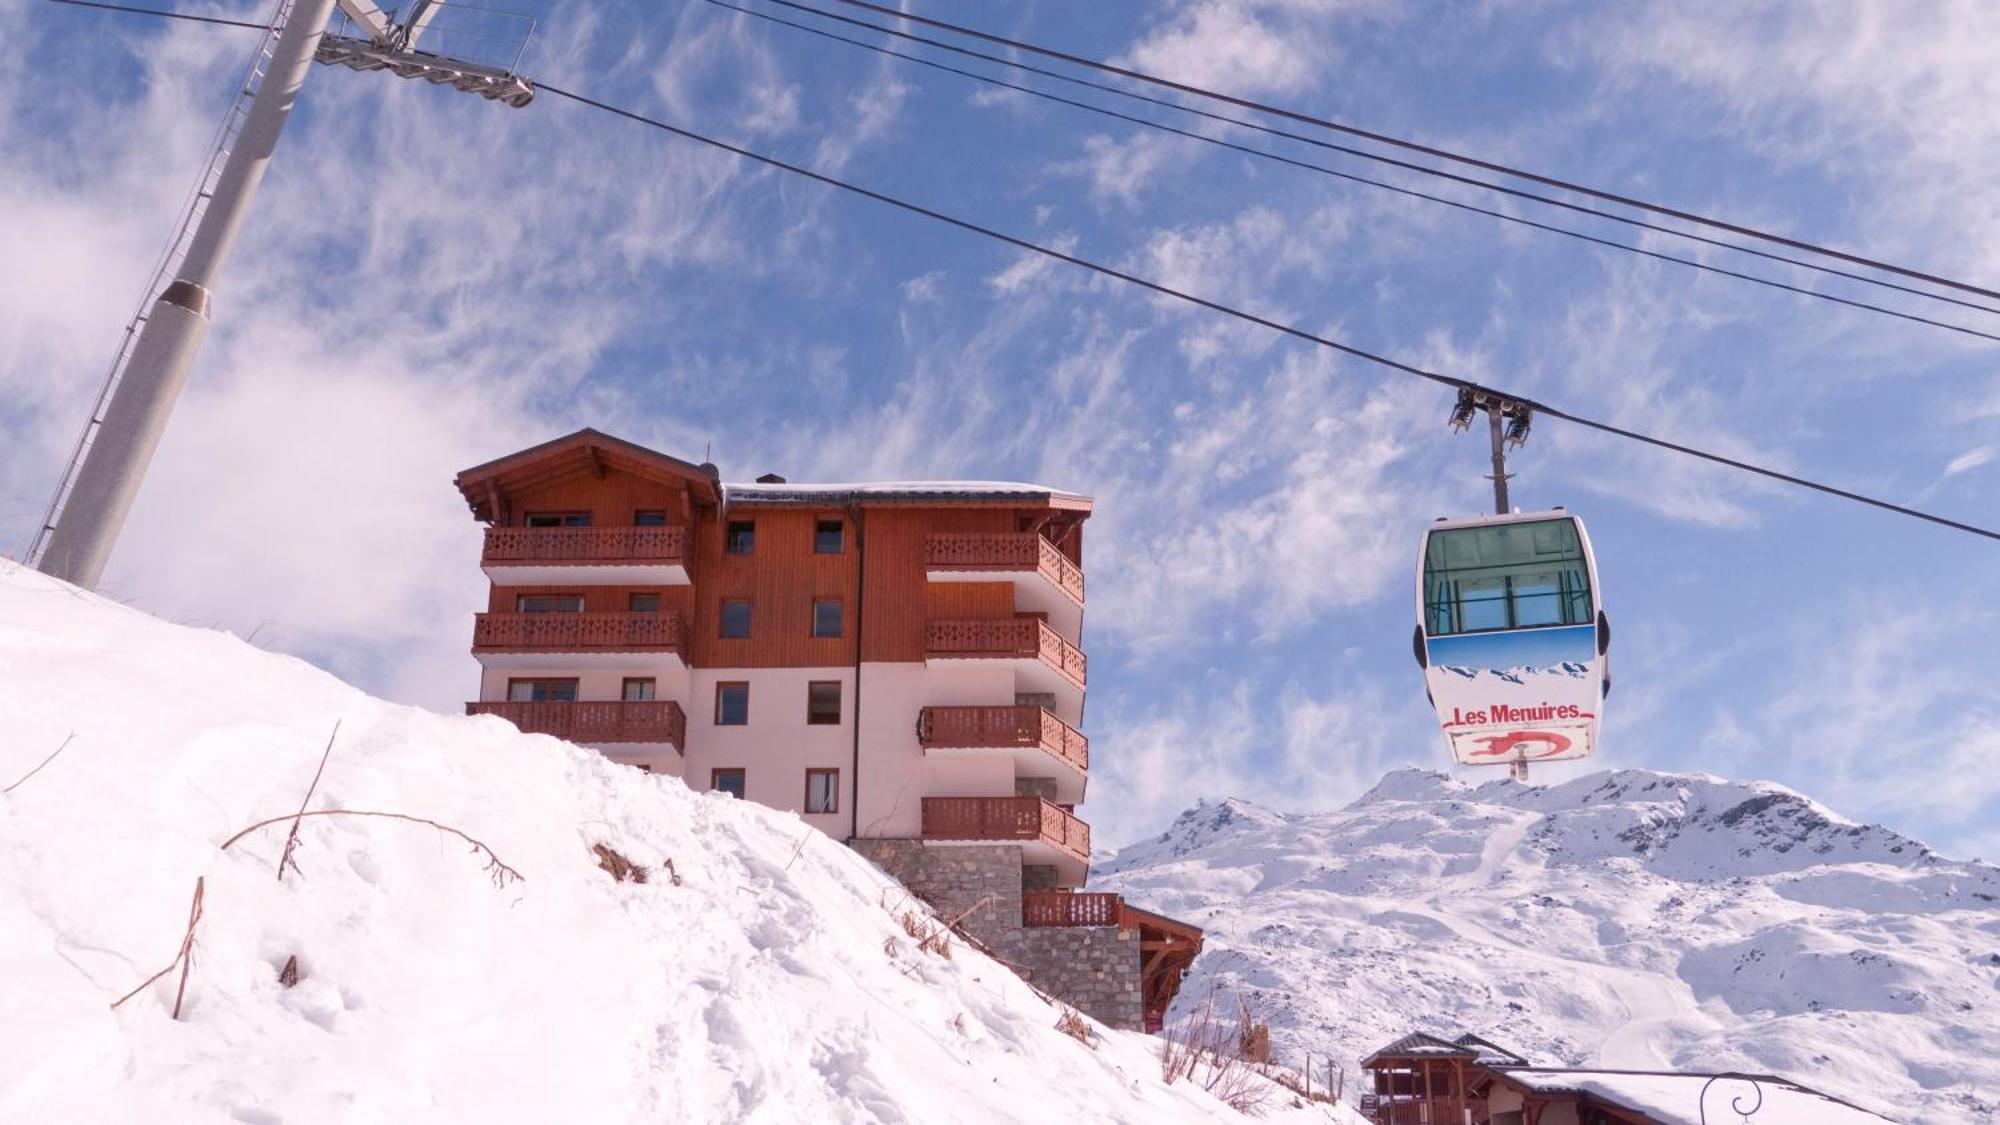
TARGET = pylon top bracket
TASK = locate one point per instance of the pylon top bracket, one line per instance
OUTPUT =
(478, 54)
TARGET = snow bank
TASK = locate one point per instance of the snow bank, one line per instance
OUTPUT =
(772, 984)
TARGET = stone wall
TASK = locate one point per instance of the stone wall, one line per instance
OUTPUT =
(1094, 969)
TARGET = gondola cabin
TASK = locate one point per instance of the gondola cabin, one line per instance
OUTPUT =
(1512, 637)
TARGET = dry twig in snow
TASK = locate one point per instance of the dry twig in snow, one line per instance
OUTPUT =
(292, 840)
(45, 761)
(185, 958)
(502, 874)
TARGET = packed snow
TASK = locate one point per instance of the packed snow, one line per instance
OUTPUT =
(1626, 920)
(770, 981)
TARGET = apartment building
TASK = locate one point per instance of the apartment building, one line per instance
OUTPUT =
(900, 663)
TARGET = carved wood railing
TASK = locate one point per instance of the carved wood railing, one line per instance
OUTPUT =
(1069, 908)
(1002, 550)
(978, 727)
(579, 632)
(1006, 636)
(649, 720)
(1005, 818)
(584, 545)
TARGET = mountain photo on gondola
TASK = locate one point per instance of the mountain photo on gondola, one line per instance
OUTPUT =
(1528, 695)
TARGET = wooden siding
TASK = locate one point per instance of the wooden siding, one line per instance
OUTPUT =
(610, 500)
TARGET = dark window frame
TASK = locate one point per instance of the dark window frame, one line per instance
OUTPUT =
(572, 681)
(722, 619)
(833, 795)
(720, 687)
(839, 533)
(644, 517)
(747, 545)
(652, 689)
(521, 603)
(814, 720)
(840, 608)
(564, 518)
(634, 596)
(742, 781)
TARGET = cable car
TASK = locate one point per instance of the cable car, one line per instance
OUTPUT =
(1512, 637)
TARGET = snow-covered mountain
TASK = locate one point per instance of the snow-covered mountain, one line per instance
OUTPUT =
(1521, 673)
(1626, 919)
(762, 974)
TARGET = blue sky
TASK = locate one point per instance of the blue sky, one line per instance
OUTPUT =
(429, 280)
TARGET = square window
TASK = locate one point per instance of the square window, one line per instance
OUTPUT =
(829, 537)
(741, 537)
(541, 691)
(637, 689)
(822, 791)
(548, 603)
(732, 704)
(649, 517)
(735, 618)
(826, 617)
(642, 603)
(727, 781)
(823, 703)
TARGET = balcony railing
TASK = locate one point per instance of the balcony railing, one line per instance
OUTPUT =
(1001, 550)
(579, 632)
(956, 728)
(1004, 637)
(1067, 908)
(1028, 819)
(584, 546)
(650, 720)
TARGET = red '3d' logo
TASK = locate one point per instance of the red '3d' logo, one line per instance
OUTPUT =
(1532, 743)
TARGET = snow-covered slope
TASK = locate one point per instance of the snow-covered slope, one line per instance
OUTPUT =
(772, 984)
(1626, 919)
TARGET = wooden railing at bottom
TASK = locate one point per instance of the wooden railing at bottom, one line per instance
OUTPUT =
(1069, 908)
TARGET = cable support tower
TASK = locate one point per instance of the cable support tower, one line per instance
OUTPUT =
(1379, 184)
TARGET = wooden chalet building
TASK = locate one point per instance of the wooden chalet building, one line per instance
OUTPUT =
(1426, 1080)
(899, 663)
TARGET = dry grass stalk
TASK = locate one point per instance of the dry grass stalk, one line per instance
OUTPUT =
(621, 869)
(71, 737)
(798, 851)
(502, 874)
(292, 839)
(1072, 1024)
(1253, 1036)
(932, 937)
(289, 975)
(184, 958)
(1203, 1052)
(673, 876)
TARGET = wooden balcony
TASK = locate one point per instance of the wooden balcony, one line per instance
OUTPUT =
(1026, 639)
(595, 721)
(1034, 737)
(507, 636)
(1056, 834)
(999, 552)
(630, 556)
(1070, 908)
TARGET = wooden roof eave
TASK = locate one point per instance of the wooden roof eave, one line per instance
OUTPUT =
(586, 451)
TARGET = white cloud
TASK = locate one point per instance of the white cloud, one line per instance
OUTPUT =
(1237, 46)
(1969, 460)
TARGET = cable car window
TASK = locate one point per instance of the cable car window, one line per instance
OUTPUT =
(1508, 576)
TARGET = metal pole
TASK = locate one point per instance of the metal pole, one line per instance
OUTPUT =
(1499, 459)
(109, 479)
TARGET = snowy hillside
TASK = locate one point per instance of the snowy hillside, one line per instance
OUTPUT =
(1626, 919)
(771, 983)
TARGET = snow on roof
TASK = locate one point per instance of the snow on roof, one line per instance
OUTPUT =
(1676, 1098)
(932, 490)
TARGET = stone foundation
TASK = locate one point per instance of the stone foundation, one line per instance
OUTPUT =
(1094, 969)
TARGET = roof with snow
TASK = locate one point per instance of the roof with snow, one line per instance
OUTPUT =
(904, 491)
(1670, 1097)
(1418, 1043)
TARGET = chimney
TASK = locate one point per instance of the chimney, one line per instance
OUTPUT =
(770, 478)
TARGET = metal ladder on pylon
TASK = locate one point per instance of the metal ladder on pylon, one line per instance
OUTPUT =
(163, 273)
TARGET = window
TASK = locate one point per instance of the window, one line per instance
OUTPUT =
(732, 704)
(541, 691)
(1509, 576)
(735, 618)
(548, 603)
(637, 689)
(643, 603)
(727, 781)
(829, 537)
(822, 791)
(741, 537)
(556, 519)
(649, 517)
(823, 703)
(826, 617)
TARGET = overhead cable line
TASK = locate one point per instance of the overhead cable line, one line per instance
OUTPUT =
(1413, 146)
(1398, 189)
(1239, 314)
(1379, 158)
(188, 16)
(1253, 318)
